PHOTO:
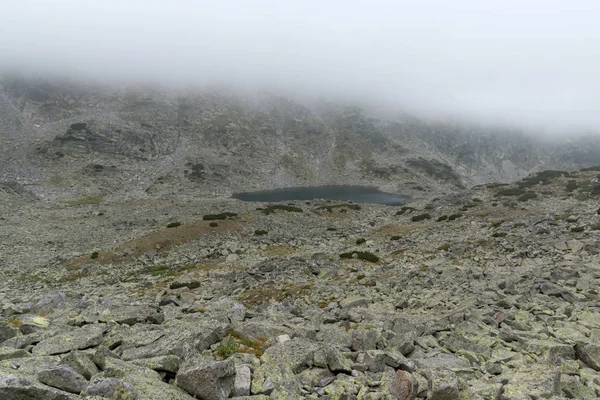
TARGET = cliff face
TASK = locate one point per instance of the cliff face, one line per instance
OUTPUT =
(152, 140)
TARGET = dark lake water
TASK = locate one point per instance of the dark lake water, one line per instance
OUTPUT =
(356, 194)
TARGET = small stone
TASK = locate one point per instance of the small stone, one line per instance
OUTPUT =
(243, 381)
(283, 338)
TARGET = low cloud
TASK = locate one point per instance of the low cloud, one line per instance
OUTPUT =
(532, 63)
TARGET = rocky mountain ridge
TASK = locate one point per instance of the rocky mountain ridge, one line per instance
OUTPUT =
(156, 140)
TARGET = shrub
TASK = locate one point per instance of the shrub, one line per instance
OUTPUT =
(396, 237)
(331, 229)
(272, 209)
(213, 224)
(589, 169)
(496, 185)
(420, 217)
(510, 192)
(212, 217)
(499, 234)
(454, 216)
(260, 232)
(577, 229)
(495, 224)
(227, 349)
(442, 218)
(542, 177)
(527, 196)
(362, 255)
(94, 255)
(355, 207)
(571, 186)
(405, 209)
(173, 224)
(361, 241)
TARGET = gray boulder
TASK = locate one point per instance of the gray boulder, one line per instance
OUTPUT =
(206, 378)
(112, 388)
(63, 377)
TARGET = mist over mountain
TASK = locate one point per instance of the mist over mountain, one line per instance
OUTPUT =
(528, 63)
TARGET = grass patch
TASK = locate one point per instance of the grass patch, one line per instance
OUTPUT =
(272, 209)
(454, 216)
(361, 255)
(444, 247)
(577, 229)
(157, 270)
(405, 210)
(221, 216)
(513, 192)
(571, 186)
(420, 217)
(256, 296)
(527, 196)
(330, 208)
(227, 349)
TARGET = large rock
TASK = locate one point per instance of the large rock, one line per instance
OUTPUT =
(75, 339)
(112, 388)
(399, 385)
(81, 362)
(274, 380)
(537, 381)
(122, 314)
(63, 377)
(206, 378)
(295, 354)
(442, 385)
(7, 353)
(243, 381)
(14, 386)
(183, 338)
(7, 330)
(589, 354)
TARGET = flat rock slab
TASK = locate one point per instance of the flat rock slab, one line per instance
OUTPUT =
(63, 377)
(76, 339)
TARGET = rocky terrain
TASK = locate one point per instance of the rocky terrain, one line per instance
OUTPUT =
(486, 293)
(130, 273)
